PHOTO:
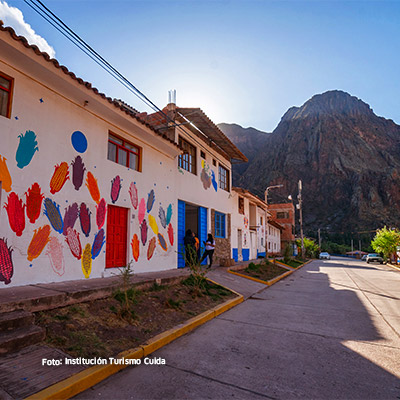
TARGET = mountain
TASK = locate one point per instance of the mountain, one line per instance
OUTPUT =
(347, 157)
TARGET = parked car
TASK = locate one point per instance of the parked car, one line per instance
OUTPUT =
(373, 257)
(364, 257)
(324, 255)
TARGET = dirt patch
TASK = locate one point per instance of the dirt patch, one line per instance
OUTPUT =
(265, 270)
(103, 328)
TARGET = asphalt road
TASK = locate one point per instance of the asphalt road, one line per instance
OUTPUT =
(329, 331)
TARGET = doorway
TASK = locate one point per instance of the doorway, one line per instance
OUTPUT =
(239, 238)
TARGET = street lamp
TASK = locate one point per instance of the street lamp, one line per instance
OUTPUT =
(266, 216)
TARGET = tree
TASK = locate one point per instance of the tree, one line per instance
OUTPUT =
(310, 247)
(385, 241)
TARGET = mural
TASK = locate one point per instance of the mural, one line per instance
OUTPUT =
(5, 177)
(6, 264)
(74, 243)
(56, 256)
(171, 234)
(79, 141)
(87, 261)
(98, 243)
(151, 248)
(78, 171)
(150, 200)
(213, 181)
(38, 243)
(169, 214)
(115, 188)
(133, 195)
(101, 210)
(163, 219)
(34, 199)
(143, 232)
(16, 213)
(135, 247)
(52, 212)
(84, 217)
(153, 224)
(91, 184)
(162, 242)
(60, 176)
(142, 211)
(27, 147)
(70, 217)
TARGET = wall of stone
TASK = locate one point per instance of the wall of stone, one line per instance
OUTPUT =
(222, 254)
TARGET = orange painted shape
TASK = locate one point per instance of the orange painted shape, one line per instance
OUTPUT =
(135, 247)
(60, 176)
(5, 177)
(91, 184)
(39, 240)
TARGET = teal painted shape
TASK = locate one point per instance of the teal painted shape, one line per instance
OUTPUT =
(27, 147)
(169, 214)
(202, 230)
(181, 233)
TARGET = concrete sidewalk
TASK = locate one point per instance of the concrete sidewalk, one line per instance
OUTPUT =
(22, 373)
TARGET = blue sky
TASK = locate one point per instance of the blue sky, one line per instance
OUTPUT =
(242, 62)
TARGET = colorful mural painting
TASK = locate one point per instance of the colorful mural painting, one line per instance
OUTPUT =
(135, 247)
(214, 181)
(70, 217)
(56, 256)
(52, 212)
(98, 243)
(150, 200)
(142, 211)
(6, 264)
(34, 199)
(5, 177)
(27, 147)
(79, 141)
(151, 248)
(169, 214)
(115, 188)
(101, 210)
(38, 243)
(171, 234)
(91, 184)
(84, 217)
(163, 219)
(16, 213)
(153, 224)
(162, 242)
(74, 243)
(87, 261)
(60, 176)
(143, 232)
(133, 195)
(78, 171)
(205, 175)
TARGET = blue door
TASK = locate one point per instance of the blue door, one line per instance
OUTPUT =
(202, 230)
(181, 233)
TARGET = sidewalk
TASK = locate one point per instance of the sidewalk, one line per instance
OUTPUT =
(22, 373)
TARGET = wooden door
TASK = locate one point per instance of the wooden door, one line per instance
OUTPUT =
(117, 236)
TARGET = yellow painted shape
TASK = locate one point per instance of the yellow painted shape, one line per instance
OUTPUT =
(5, 176)
(87, 260)
(153, 224)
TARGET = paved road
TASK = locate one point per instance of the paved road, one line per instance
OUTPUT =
(329, 331)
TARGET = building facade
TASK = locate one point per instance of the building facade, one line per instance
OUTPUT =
(284, 215)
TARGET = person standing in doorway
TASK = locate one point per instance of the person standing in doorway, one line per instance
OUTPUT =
(209, 251)
(197, 246)
(190, 248)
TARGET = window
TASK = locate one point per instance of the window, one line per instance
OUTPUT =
(282, 215)
(261, 221)
(219, 225)
(202, 154)
(187, 160)
(223, 178)
(241, 205)
(6, 86)
(214, 162)
(124, 153)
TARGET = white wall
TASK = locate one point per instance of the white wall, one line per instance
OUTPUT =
(274, 239)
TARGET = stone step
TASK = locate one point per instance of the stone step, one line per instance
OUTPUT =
(14, 340)
(15, 319)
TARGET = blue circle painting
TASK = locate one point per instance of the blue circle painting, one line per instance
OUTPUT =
(79, 141)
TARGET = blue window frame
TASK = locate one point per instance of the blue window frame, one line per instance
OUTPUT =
(219, 225)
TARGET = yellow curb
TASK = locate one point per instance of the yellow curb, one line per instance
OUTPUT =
(248, 277)
(393, 266)
(278, 278)
(85, 379)
(302, 265)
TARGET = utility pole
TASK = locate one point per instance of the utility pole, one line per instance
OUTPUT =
(301, 219)
(319, 237)
(351, 246)
(266, 216)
